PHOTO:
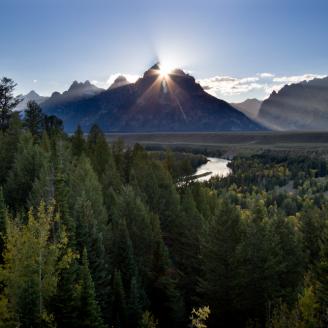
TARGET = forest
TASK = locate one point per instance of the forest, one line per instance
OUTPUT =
(101, 235)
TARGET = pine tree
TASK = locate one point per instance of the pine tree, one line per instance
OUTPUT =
(165, 299)
(43, 187)
(78, 142)
(186, 247)
(90, 219)
(8, 146)
(7, 101)
(53, 125)
(29, 160)
(66, 302)
(119, 304)
(89, 311)
(220, 243)
(118, 153)
(322, 279)
(3, 218)
(135, 302)
(86, 204)
(98, 150)
(312, 228)
(123, 258)
(34, 119)
(112, 186)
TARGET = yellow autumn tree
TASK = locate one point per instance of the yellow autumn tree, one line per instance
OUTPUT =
(199, 317)
(34, 255)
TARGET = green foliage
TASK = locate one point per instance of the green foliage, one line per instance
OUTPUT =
(89, 311)
(7, 101)
(151, 247)
(3, 219)
(28, 162)
(33, 258)
(34, 119)
(98, 150)
(220, 244)
(78, 142)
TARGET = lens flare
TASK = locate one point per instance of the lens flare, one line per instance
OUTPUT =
(165, 69)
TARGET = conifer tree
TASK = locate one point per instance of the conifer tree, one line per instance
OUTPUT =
(34, 119)
(89, 311)
(119, 303)
(219, 253)
(98, 150)
(186, 247)
(43, 187)
(91, 226)
(165, 299)
(53, 125)
(29, 160)
(312, 228)
(9, 142)
(66, 302)
(78, 142)
(3, 218)
(7, 101)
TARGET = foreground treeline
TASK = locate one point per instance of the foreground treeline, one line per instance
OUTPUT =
(99, 235)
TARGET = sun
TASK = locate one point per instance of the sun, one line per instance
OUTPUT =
(165, 69)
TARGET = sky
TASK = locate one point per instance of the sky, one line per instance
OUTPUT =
(236, 49)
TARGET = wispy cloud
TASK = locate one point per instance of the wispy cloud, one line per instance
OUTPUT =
(265, 75)
(107, 83)
(261, 85)
(296, 78)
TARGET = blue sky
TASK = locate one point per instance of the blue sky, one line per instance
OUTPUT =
(235, 48)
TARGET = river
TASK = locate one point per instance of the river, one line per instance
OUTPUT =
(215, 167)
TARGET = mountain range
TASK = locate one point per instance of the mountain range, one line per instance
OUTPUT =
(154, 103)
(176, 103)
(300, 106)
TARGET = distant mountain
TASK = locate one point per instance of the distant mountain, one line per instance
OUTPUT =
(120, 81)
(32, 95)
(250, 107)
(77, 91)
(301, 106)
(153, 103)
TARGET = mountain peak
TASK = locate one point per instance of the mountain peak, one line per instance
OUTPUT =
(32, 93)
(120, 81)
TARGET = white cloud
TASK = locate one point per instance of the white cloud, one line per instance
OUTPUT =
(227, 85)
(260, 86)
(106, 84)
(296, 78)
(265, 75)
(35, 81)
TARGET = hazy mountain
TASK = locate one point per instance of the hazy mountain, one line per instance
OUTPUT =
(249, 107)
(120, 81)
(153, 103)
(77, 91)
(301, 106)
(32, 95)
